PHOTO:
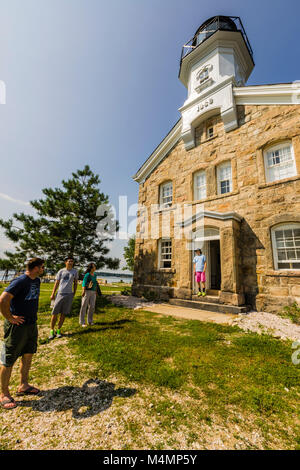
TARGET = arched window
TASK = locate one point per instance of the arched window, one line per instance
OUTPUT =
(279, 162)
(286, 246)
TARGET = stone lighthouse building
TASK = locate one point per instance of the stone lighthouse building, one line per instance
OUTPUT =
(226, 179)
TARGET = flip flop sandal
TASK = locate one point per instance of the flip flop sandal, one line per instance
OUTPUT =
(7, 401)
(29, 391)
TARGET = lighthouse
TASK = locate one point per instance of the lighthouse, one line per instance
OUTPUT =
(217, 59)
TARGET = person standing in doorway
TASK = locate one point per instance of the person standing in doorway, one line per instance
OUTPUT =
(89, 295)
(199, 271)
(66, 282)
(19, 305)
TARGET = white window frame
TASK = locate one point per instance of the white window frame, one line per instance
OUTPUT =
(279, 165)
(165, 253)
(294, 240)
(220, 181)
(166, 201)
(200, 188)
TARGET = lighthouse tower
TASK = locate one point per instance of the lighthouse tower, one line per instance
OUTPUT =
(216, 60)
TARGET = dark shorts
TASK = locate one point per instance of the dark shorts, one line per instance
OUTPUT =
(18, 340)
(63, 304)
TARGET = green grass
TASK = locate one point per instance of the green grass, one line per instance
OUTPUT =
(292, 312)
(218, 368)
(252, 372)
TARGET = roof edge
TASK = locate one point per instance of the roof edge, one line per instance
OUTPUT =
(159, 153)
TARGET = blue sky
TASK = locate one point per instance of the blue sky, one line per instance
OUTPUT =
(94, 82)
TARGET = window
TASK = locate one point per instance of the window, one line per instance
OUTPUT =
(280, 162)
(286, 246)
(210, 132)
(224, 178)
(200, 185)
(165, 253)
(166, 194)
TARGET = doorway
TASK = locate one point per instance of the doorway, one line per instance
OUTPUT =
(215, 264)
(209, 244)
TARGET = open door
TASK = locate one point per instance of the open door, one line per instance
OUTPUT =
(209, 244)
(215, 265)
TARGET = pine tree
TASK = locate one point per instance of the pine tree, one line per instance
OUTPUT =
(68, 223)
(129, 254)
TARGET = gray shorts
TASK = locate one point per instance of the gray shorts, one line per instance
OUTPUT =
(63, 304)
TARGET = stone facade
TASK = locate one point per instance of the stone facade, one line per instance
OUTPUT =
(248, 274)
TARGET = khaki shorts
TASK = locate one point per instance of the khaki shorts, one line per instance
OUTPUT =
(18, 340)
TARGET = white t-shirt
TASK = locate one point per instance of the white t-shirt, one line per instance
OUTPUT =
(66, 278)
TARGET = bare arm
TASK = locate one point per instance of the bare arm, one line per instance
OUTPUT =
(5, 300)
(56, 284)
(75, 286)
(83, 291)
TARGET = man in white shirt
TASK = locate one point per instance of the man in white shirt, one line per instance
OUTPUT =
(66, 282)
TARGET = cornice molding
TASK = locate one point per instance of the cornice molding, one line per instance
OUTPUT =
(211, 215)
(278, 94)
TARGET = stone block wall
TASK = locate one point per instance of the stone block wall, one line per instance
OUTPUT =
(261, 206)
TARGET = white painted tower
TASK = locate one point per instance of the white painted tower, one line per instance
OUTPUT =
(217, 59)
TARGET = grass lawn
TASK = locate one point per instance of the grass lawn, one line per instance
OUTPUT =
(159, 383)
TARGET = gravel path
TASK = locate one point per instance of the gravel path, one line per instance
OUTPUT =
(263, 322)
(258, 322)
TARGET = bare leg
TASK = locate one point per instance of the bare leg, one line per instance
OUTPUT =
(5, 373)
(25, 367)
(61, 321)
(6, 399)
(53, 321)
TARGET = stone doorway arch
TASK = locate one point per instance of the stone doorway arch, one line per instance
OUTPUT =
(228, 224)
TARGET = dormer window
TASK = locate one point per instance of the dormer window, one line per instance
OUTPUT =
(166, 194)
(210, 132)
(280, 162)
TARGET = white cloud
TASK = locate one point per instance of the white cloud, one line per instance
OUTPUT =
(15, 201)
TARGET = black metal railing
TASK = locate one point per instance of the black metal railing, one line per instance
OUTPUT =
(208, 29)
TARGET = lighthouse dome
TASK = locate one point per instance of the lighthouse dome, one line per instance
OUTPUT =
(210, 26)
